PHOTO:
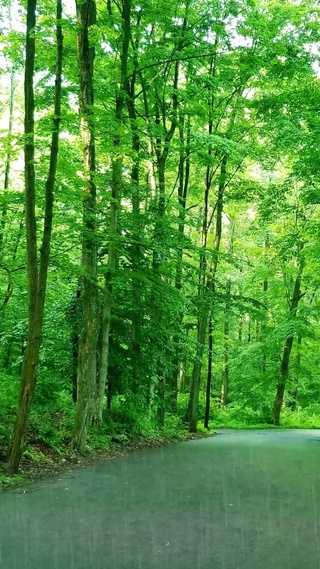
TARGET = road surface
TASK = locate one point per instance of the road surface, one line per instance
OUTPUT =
(240, 500)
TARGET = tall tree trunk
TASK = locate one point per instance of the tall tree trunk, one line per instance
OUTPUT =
(240, 330)
(225, 363)
(75, 326)
(294, 388)
(162, 148)
(114, 208)
(263, 335)
(87, 370)
(7, 162)
(109, 395)
(205, 304)
(284, 368)
(37, 281)
(184, 176)
(136, 266)
(209, 375)
(136, 257)
(226, 331)
(158, 316)
(202, 309)
(265, 286)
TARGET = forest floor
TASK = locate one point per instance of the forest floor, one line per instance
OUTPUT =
(241, 500)
(40, 462)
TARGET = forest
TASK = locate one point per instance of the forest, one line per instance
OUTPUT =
(159, 220)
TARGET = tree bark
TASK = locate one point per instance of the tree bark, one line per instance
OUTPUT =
(205, 305)
(202, 308)
(7, 163)
(87, 370)
(37, 281)
(136, 257)
(209, 376)
(75, 327)
(284, 368)
(161, 148)
(226, 331)
(294, 386)
(225, 364)
(184, 176)
(114, 209)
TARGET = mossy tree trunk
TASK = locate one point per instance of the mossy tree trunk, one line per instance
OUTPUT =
(37, 279)
(87, 366)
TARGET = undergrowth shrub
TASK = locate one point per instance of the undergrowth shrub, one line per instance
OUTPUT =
(52, 425)
(9, 386)
(308, 418)
(182, 406)
(130, 414)
(236, 414)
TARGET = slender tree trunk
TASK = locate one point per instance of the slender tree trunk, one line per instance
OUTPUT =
(284, 368)
(87, 369)
(37, 281)
(158, 316)
(205, 305)
(202, 308)
(240, 330)
(226, 331)
(7, 162)
(136, 257)
(75, 342)
(184, 176)
(209, 376)
(162, 148)
(263, 326)
(20, 233)
(114, 208)
(110, 386)
(109, 395)
(136, 267)
(294, 388)
(159, 146)
(225, 363)
(161, 409)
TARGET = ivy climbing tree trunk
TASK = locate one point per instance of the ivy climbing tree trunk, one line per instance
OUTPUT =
(87, 367)
(37, 279)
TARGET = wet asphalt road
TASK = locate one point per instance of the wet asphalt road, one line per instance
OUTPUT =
(240, 500)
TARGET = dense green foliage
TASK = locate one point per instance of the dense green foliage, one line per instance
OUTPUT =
(206, 133)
